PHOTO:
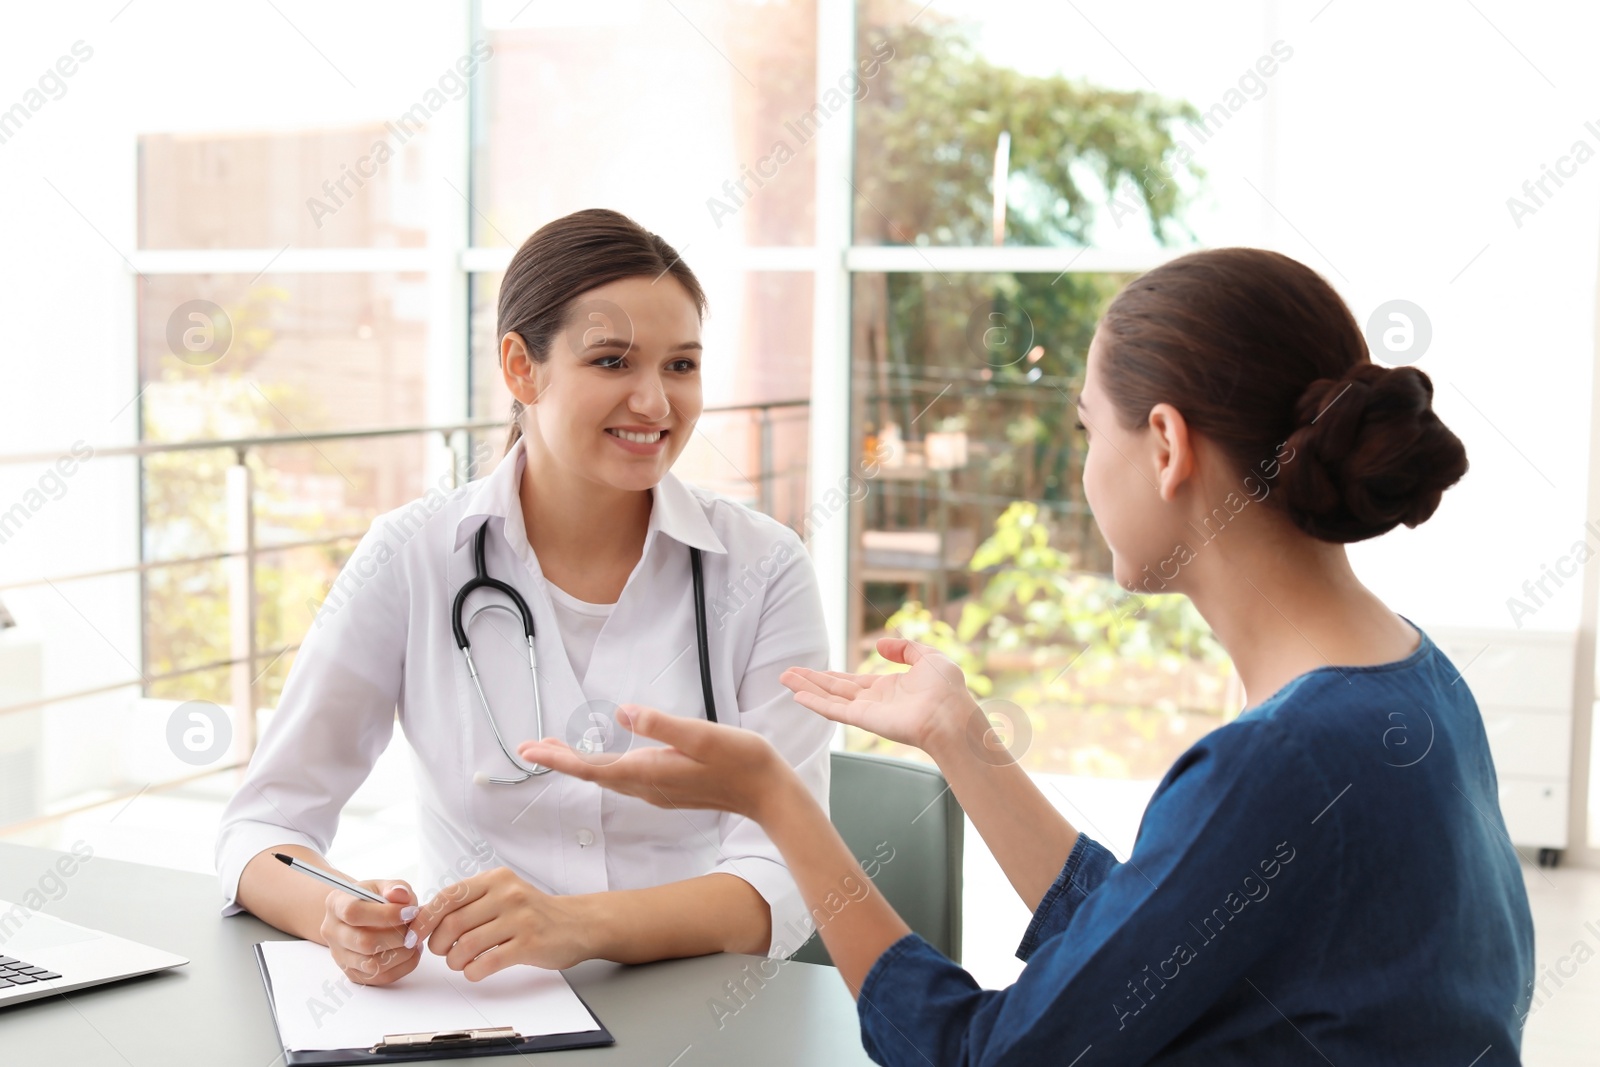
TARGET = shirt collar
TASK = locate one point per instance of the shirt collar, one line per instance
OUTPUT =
(674, 511)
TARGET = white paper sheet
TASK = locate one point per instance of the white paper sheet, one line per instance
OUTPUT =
(318, 1008)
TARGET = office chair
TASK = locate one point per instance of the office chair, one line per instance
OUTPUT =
(878, 804)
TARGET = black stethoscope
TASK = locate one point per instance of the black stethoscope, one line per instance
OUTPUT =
(481, 580)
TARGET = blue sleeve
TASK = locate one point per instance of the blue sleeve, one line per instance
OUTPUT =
(1228, 864)
(1087, 866)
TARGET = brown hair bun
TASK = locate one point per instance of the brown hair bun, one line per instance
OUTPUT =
(1369, 454)
(1262, 356)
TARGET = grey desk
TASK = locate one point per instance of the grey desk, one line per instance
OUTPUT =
(214, 1010)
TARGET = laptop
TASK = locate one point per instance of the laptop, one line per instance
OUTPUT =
(41, 955)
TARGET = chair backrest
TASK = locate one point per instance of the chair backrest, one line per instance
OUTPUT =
(902, 822)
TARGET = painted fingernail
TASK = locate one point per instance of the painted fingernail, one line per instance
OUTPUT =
(407, 914)
(411, 939)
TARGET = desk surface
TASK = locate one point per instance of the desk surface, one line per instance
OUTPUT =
(214, 1011)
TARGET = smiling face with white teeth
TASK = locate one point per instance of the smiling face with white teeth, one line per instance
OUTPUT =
(618, 392)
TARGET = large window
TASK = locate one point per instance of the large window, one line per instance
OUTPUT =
(715, 132)
(978, 129)
(267, 354)
(669, 113)
(971, 531)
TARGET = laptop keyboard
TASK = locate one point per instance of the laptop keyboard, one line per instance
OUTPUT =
(15, 972)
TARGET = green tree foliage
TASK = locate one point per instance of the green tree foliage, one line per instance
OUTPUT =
(926, 135)
(1040, 613)
(997, 355)
(1035, 602)
(1002, 357)
(1041, 632)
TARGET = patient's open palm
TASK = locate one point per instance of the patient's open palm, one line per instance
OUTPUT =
(908, 707)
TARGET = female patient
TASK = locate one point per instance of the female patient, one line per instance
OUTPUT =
(1325, 879)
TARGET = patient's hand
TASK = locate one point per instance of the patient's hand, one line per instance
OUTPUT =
(920, 707)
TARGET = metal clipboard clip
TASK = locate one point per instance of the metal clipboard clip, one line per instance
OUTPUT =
(486, 1035)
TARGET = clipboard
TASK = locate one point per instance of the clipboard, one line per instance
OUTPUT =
(434, 1045)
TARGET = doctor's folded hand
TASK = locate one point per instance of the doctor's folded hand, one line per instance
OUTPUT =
(494, 919)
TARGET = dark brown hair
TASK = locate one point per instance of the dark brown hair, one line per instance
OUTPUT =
(565, 259)
(1258, 352)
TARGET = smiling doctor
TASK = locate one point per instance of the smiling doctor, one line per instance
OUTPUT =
(614, 560)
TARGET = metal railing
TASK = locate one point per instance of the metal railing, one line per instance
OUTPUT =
(242, 550)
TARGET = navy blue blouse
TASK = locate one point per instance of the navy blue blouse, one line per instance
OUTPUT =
(1326, 879)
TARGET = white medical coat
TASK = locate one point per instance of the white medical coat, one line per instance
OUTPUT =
(382, 648)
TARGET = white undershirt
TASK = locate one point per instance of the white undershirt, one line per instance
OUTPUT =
(579, 622)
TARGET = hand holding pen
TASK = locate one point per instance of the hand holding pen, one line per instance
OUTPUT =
(364, 925)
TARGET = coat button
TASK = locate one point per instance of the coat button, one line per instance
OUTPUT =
(585, 838)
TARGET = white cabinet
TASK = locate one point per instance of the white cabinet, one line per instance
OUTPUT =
(1526, 743)
(1535, 811)
(1523, 683)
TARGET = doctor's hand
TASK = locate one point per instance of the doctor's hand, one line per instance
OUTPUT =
(494, 919)
(924, 707)
(709, 765)
(367, 940)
